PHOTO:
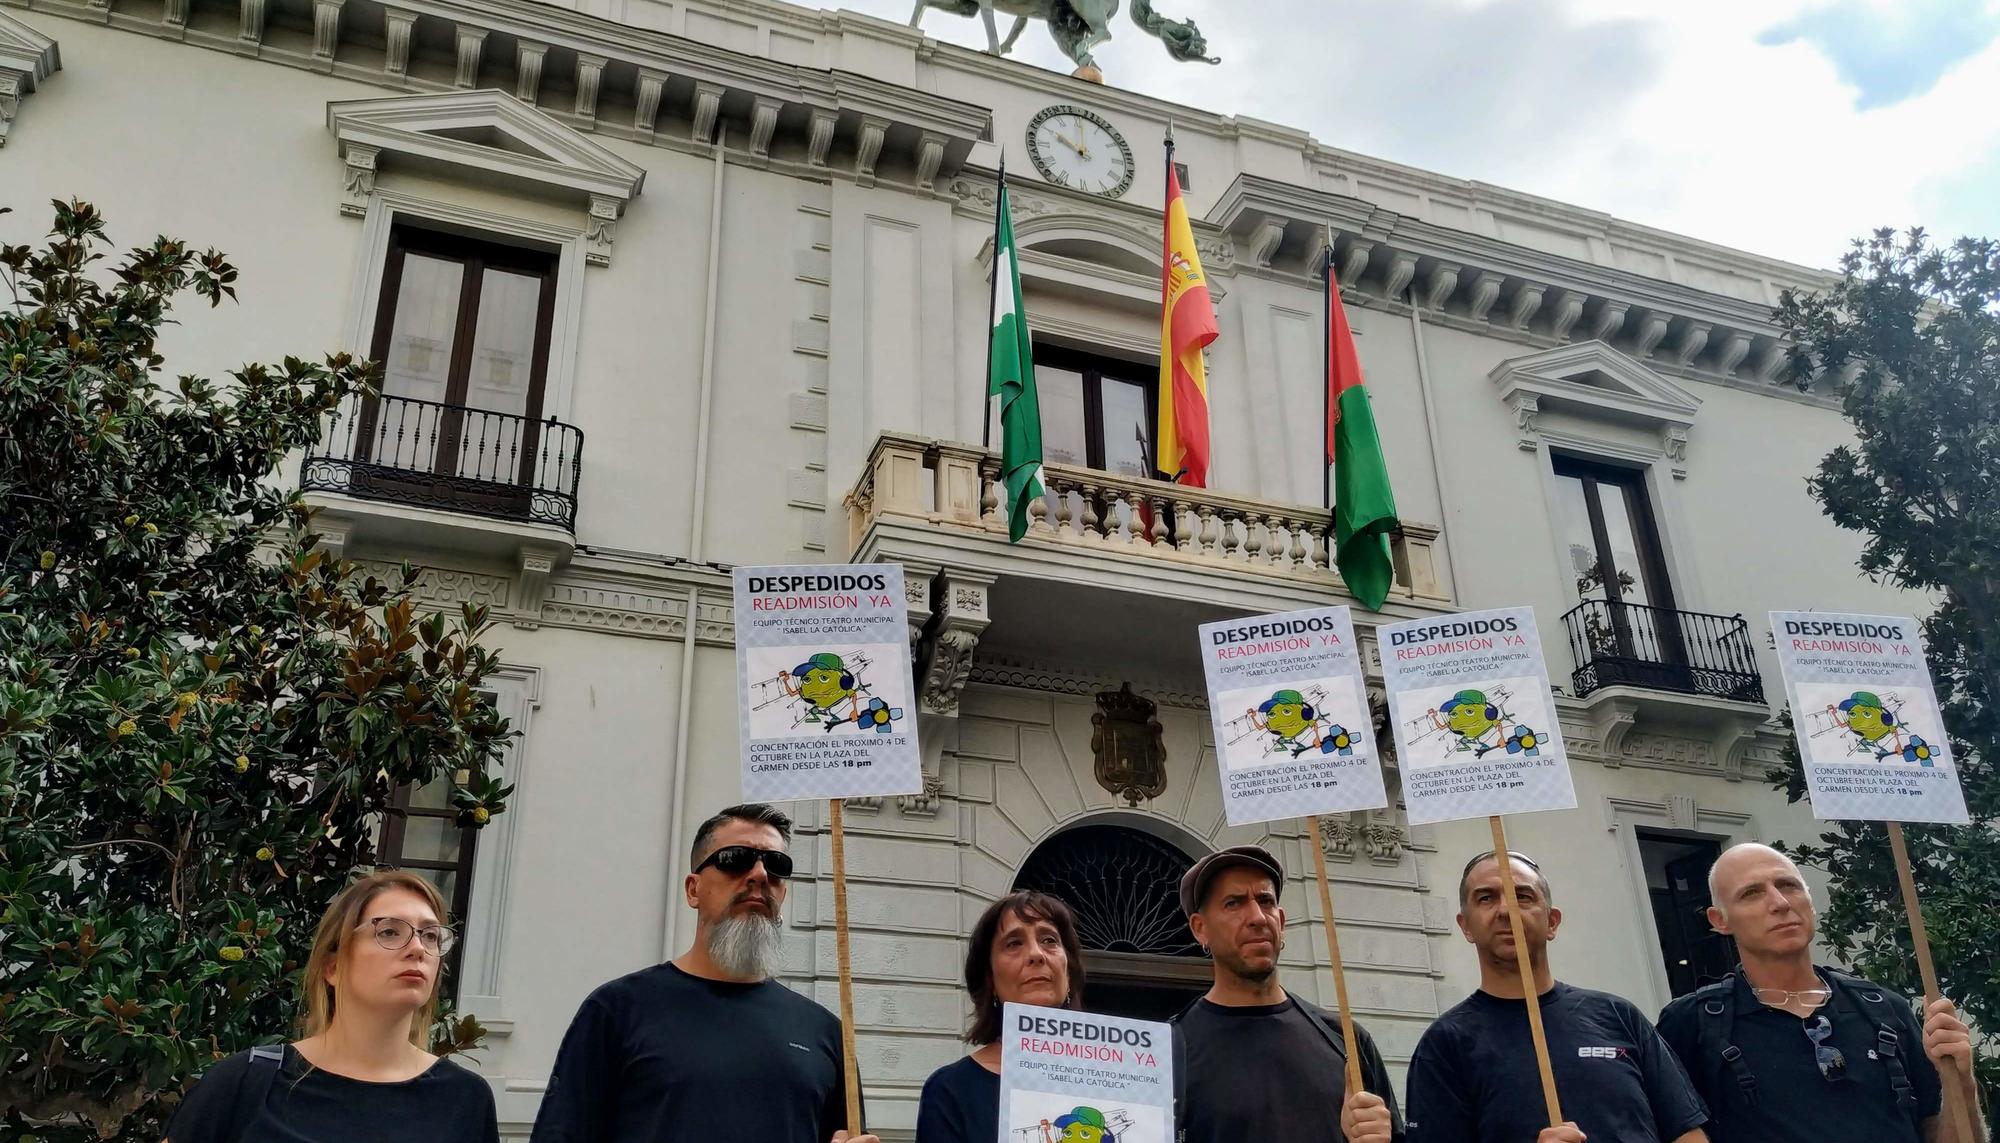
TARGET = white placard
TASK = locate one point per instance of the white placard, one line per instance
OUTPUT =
(824, 695)
(1475, 721)
(1867, 718)
(1290, 704)
(1077, 1076)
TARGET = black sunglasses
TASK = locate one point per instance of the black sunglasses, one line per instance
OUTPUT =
(736, 860)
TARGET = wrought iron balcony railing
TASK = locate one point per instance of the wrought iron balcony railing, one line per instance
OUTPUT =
(1615, 643)
(453, 457)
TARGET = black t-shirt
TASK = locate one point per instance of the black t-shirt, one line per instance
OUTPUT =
(1795, 1103)
(1263, 1074)
(302, 1104)
(1473, 1077)
(661, 1056)
(960, 1104)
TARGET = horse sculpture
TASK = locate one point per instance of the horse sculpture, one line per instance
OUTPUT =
(1076, 26)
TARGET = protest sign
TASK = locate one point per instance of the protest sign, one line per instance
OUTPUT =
(1873, 743)
(1475, 721)
(824, 694)
(1867, 718)
(1068, 1075)
(824, 710)
(1290, 706)
(1304, 744)
(1476, 735)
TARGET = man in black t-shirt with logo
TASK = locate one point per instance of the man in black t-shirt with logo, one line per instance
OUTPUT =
(707, 1046)
(1474, 1078)
(1253, 1063)
(1785, 1051)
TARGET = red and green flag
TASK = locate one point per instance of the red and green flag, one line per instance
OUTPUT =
(1364, 507)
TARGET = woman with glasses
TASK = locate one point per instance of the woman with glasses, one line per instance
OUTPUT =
(1024, 950)
(359, 1069)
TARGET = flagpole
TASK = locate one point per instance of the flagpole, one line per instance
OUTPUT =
(1166, 229)
(1326, 386)
(992, 303)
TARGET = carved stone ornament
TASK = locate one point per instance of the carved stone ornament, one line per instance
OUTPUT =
(1128, 746)
(602, 229)
(925, 804)
(357, 184)
(1527, 407)
(1336, 834)
(1386, 842)
(950, 665)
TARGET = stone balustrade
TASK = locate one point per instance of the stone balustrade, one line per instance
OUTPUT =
(957, 486)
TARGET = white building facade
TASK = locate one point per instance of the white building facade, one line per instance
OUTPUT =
(667, 286)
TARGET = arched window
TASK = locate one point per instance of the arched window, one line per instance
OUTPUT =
(1124, 884)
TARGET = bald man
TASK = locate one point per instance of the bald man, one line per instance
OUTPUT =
(1786, 1051)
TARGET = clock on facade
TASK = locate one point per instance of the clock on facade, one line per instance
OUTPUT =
(1076, 148)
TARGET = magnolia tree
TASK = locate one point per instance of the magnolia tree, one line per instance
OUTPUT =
(1916, 326)
(202, 718)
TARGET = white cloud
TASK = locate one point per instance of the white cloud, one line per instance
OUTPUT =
(1669, 115)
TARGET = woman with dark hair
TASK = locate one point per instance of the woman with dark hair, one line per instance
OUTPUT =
(1024, 950)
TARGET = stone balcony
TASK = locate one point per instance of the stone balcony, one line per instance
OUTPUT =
(936, 504)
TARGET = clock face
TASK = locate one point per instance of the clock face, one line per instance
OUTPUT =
(1078, 149)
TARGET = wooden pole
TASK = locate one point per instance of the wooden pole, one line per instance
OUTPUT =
(849, 1069)
(1954, 1094)
(1529, 992)
(1354, 1082)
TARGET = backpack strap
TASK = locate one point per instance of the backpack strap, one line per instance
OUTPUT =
(1317, 1021)
(1179, 1039)
(1715, 1020)
(1871, 1002)
(266, 1061)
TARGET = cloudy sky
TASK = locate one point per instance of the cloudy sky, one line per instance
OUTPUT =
(1786, 127)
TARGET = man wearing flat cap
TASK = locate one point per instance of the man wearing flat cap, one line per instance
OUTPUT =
(1251, 1060)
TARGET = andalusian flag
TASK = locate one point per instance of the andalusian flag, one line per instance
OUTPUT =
(1187, 323)
(1364, 508)
(1010, 376)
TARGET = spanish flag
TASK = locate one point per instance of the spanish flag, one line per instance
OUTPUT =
(1187, 323)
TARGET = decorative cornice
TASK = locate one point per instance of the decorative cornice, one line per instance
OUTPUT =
(608, 595)
(27, 58)
(930, 133)
(1004, 670)
(1486, 281)
(1620, 388)
(410, 128)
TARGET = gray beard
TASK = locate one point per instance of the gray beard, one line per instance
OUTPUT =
(746, 947)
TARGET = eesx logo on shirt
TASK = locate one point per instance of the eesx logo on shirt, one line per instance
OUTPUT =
(1597, 1053)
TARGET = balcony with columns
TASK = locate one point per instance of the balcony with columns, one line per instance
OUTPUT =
(937, 504)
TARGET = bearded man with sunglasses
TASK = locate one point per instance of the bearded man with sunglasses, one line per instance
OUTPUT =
(707, 1046)
(1786, 1051)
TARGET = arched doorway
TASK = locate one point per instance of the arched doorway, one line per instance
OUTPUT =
(1124, 884)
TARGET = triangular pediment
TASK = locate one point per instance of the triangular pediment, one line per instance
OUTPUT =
(489, 135)
(27, 53)
(1592, 376)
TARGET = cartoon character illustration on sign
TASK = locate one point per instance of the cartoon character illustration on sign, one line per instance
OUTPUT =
(831, 693)
(1479, 724)
(1079, 1125)
(1876, 725)
(1296, 724)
